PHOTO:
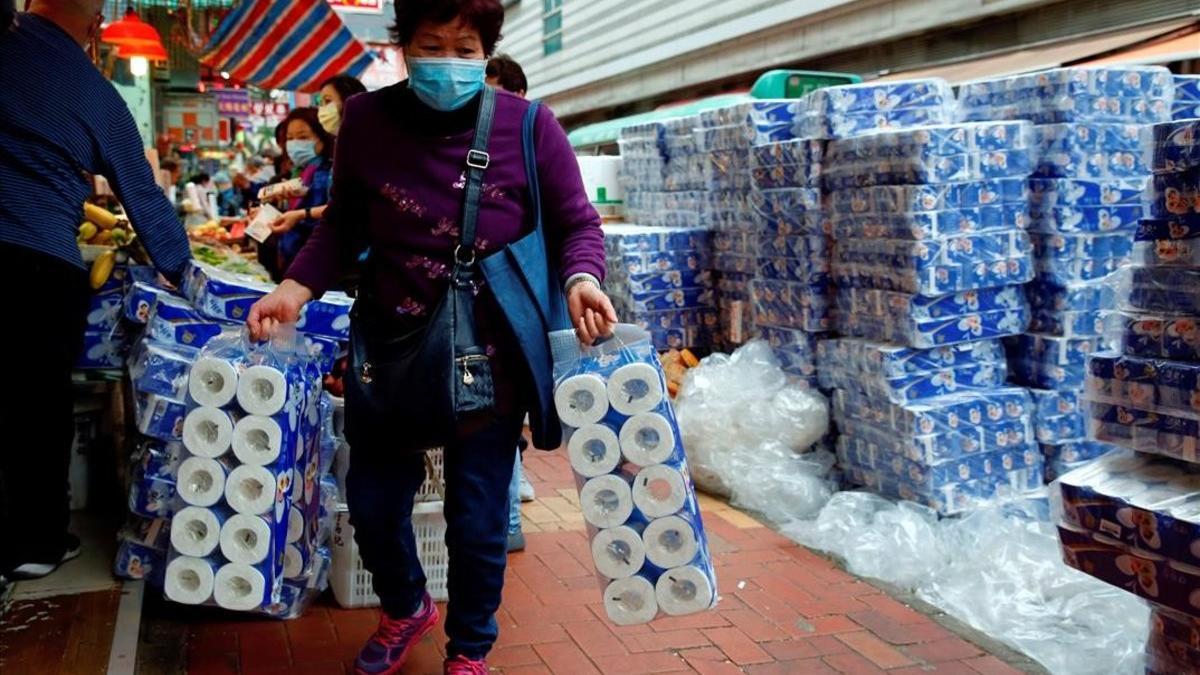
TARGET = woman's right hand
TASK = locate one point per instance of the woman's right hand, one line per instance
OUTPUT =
(280, 306)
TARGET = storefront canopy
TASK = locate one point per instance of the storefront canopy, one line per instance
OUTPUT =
(1046, 55)
(1176, 47)
(293, 45)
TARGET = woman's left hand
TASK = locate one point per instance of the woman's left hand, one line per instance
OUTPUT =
(592, 313)
(287, 221)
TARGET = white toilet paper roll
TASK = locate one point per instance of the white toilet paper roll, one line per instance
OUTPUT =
(293, 562)
(200, 481)
(635, 389)
(239, 587)
(618, 552)
(684, 590)
(581, 400)
(647, 439)
(195, 531)
(189, 580)
(630, 601)
(246, 539)
(659, 491)
(262, 390)
(670, 542)
(213, 382)
(250, 490)
(594, 450)
(606, 501)
(295, 524)
(207, 432)
(257, 440)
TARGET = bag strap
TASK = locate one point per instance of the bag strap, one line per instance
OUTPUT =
(531, 171)
(477, 160)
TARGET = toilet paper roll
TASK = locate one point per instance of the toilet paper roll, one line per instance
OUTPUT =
(189, 581)
(195, 531)
(684, 590)
(635, 389)
(581, 400)
(207, 432)
(257, 440)
(647, 439)
(293, 562)
(262, 390)
(659, 491)
(606, 501)
(630, 601)
(295, 524)
(246, 539)
(618, 552)
(250, 490)
(670, 542)
(213, 382)
(239, 587)
(594, 450)
(200, 481)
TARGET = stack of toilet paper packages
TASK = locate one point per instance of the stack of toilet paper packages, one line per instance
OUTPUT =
(1187, 98)
(660, 279)
(931, 321)
(107, 335)
(1173, 645)
(904, 437)
(1132, 521)
(685, 162)
(623, 442)
(851, 110)
(643, 158)
(1061, 427)
(253, 503)
(792, 289)
(1137, 94)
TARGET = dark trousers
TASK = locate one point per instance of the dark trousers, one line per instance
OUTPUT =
(381, 485)
(46, 310)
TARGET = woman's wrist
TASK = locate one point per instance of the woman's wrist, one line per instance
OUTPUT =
(580, 278)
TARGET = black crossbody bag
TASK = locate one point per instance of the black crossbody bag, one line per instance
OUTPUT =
(424, 388)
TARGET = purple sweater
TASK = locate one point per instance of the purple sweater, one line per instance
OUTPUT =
(398, 188)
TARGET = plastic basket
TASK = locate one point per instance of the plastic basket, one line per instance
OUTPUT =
(352, 583)
(434, 486)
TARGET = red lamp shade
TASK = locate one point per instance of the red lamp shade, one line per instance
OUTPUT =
(134, 37)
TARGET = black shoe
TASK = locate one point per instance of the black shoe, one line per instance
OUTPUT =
(37, 570)
(516, 541)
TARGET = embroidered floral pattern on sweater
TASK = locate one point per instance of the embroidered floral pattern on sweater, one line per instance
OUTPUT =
(403, 201)
(489, 191)
(410, 307)
(434, 269)
(445, 228)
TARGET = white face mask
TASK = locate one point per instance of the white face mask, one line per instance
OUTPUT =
(329, 117)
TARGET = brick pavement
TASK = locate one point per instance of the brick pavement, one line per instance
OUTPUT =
(783, 609)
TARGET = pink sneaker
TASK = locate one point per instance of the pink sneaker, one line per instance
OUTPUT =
(461, 665)
(387, 649)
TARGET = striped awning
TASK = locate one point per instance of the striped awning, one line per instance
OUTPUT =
(293, 45)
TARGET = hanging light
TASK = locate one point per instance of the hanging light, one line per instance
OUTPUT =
(134, 38)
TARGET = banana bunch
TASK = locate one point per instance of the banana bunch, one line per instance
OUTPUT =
(101, 228)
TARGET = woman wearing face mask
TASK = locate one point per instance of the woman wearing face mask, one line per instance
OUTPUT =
(309, 148)
(334, 93)
(400, 191)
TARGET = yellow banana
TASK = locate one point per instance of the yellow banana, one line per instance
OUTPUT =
(87, 230)
(103, 218)
(102, 268)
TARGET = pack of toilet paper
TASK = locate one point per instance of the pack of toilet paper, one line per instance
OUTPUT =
(142, 545)
(1171, 646)
(849, 110)
(1119, 94)
(1175, 146)
(644, 525)
(901, 375)
(1176, 196)
(1050, 362)
(106, 337)
(1187, 98)
(931, 321)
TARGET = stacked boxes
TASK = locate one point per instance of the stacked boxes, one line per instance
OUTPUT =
(1087, 196)
(660, 279)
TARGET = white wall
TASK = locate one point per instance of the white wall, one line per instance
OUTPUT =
(616, 51)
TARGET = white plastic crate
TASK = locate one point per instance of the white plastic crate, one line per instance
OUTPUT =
(352, 583)
(430, 491)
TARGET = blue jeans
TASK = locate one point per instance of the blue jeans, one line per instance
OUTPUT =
(514, 498)
(381, 484)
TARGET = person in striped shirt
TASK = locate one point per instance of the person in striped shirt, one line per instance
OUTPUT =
(60, 123)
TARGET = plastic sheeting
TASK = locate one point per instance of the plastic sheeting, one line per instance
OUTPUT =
(745, 428)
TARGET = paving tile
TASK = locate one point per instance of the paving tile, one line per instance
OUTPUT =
(565, 657)
(990, 665)
(893, 609)
(790, 650)
(595, 639)
(944, 668)
(701, 620)
(875, 650)
(899, 633)
(827, 625)
(739, 520)
(549, 614)
(852, 664)
(754, 625)
(532, 635)
(564, 566)
(947, 649)
(519, 655)
(527, 670)
(666, 640)
(737, 646)
(802, 667)
(637, 664)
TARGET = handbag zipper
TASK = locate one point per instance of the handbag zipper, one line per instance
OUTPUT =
(468, 378)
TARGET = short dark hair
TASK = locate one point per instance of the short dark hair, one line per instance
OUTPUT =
(485, 16)
(508, 73)
(345, 85)
(309, 117)
(200, 178)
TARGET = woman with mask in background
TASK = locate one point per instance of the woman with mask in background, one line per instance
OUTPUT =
(309, 149)
(400, 191)
(334, 93)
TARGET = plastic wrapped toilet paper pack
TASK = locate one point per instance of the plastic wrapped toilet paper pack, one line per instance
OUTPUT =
(632, 473)
(1109, 94)
(1176, 146)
